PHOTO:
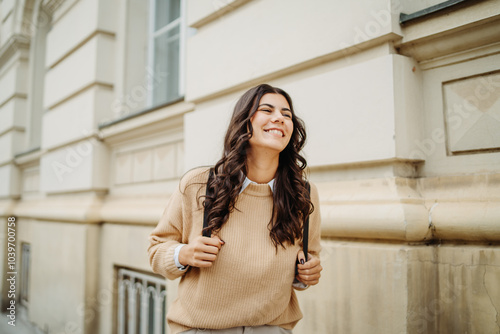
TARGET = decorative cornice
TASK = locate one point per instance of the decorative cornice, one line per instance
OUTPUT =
(76, 208)
(13, 44)
(51, 6)
(463, 27)
(154, 120)
(31, 156)
(460, 39)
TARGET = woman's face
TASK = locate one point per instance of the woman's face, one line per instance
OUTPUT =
(272, 123)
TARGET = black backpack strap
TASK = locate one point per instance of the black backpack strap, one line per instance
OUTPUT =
(209, 192)
(305, 233)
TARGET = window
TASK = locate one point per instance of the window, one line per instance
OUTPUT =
(25, 272)
(166, 43)
(141, 303)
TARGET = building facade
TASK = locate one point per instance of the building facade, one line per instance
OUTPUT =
(104, 104)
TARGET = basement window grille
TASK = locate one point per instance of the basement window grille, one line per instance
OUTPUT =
(141, 303)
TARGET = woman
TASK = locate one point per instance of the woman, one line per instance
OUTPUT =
(244, 274)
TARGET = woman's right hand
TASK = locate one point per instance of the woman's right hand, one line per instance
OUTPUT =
(201, 251)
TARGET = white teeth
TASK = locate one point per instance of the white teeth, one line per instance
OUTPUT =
(278, 132)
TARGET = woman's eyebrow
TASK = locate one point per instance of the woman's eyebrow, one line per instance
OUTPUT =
(271, 106)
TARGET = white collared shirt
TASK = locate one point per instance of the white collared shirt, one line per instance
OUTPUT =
(248, 181)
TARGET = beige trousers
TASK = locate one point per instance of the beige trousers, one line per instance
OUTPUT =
(242, 330)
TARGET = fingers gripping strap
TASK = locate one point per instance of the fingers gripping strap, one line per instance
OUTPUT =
(305, 233)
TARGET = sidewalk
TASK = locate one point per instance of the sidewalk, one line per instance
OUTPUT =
(23, 326)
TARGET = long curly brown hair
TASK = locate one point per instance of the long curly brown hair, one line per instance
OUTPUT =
(291, 204)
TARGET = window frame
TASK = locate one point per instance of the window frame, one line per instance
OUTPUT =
(152, 34)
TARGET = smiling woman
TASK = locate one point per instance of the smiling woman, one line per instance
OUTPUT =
(255, 206)
(272, 124)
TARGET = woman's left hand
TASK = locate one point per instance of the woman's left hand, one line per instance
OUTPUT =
(310, 271)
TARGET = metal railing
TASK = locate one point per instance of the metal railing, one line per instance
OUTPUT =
(141, 303)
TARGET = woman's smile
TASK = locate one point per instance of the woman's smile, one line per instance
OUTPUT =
(275, 132)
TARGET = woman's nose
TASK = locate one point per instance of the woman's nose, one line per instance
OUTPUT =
(278, 117)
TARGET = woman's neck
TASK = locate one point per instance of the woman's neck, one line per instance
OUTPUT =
(261, 169)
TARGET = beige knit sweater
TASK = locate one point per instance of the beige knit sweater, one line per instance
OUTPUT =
(249, 284)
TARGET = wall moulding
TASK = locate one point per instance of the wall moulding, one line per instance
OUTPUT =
(462, 208)
(11, 47)
(406, 168)
(465, 207)
(453, 208)
(77, 207)
(460, 57)
(456, 17)
(454, 40)
(7, 207)
(212, 11)
(90, 208)
(390, 208)
(156, 121)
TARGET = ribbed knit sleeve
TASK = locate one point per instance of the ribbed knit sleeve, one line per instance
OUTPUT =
(176, 224)
(165, 237)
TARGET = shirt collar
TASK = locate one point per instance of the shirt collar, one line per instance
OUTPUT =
(248, 181)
